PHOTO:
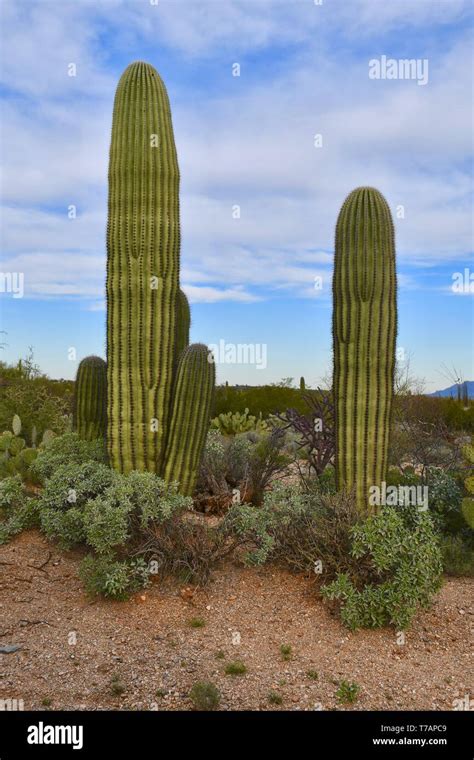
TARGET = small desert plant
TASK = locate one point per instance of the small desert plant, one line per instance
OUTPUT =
(197, 622)
(313, 674)
(274, 698)
(286, 651)
(235, 668)
(347, 693)
(205, 696)
(117, 687)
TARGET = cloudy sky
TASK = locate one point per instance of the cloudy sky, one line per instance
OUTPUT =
(247, 141)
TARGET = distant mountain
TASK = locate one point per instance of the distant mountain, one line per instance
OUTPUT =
(453, 390)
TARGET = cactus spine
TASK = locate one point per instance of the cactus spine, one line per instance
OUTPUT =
(364, 335)
(147, 313)
(90, 399)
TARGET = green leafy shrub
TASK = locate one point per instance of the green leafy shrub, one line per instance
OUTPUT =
(401, 548)
(112, 578)
(18, 511)
(67, 449)
(205, 696)
(64, 498)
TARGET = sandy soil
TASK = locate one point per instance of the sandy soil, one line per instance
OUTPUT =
(144, 654)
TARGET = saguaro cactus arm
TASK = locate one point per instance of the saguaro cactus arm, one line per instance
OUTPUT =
(190, 416)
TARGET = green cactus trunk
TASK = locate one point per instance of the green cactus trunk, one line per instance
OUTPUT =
(90, 399)
(190, 416)
(364, 335)
(143, 240)
(148, 315)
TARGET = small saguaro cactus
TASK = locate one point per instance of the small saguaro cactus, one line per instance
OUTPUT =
(90, 399)
(155, 389)
(364, 335)
(302, 384)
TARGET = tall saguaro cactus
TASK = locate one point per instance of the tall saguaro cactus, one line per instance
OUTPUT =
(147, 313)
(90, 399)
(364, 335)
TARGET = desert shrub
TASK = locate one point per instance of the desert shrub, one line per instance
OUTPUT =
(401, 547)
(311, 530)
(458, 555)
(35, 402)
(67, 449)
(118, 516)
(235, 668)
(17, 510)
(246, 462)
(445, 499)
(64, 497)
(214, 465)
(205, 696)
(266, 461)
(238, 458)
(188, 547)
(111, 578)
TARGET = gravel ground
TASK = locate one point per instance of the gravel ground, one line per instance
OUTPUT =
(145, 653)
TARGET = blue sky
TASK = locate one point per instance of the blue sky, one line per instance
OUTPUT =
(246, 141)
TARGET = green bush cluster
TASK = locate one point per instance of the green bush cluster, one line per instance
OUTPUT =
(402, 549)
(64, 450)
(18, 511)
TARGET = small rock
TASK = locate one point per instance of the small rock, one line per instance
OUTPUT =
(9, 648)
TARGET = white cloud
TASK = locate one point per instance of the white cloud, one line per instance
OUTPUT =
(250, 144)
